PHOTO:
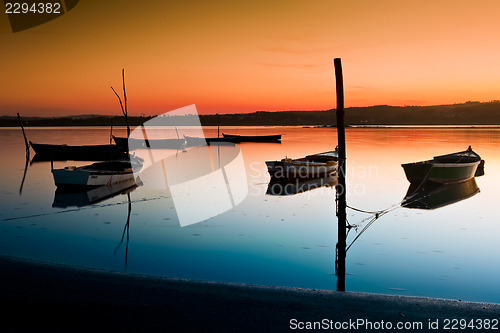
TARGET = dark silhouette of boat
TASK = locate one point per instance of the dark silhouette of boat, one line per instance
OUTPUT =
(132, 143)
(430, 195)
(311, 166)
(192, 141)
(252, 138)
(446, 169)
(63, 152)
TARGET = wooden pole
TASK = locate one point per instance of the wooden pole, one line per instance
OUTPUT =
(24, 135)
(125, 101)
(111, 134)
(341, 186)
(218, 124)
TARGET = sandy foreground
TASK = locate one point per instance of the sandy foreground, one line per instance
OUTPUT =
(41, 297)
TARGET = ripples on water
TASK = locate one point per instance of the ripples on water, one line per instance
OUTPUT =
(449, 252)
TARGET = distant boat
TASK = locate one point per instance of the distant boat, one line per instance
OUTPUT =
(252, 138)
(133, 143)
(311, 166)
(88, 196)
(80, 153)
(445, 169)
(97, 174)
(193, 141)
(430, 195)
(290, 187)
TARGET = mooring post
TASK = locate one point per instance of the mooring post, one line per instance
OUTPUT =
(24, 135)
(341, 186)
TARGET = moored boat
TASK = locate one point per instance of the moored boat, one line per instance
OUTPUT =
(445, 169)
(193, 141)
(82, 153)
(133, 143)
(97, 174)
(252, 138)
(311, 166)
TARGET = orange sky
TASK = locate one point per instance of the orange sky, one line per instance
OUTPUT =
(233, 56)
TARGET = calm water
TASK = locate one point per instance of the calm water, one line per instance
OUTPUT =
(449, 252)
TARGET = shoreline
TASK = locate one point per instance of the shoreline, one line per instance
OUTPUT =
(45, 297)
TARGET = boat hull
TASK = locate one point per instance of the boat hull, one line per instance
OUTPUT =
(312, 166)
(132, 143)
(443, 173)
(192, 141)
(252, 138)
(95, 175)
(79, 153)
(292, 169)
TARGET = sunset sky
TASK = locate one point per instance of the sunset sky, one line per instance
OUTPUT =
(235, 56)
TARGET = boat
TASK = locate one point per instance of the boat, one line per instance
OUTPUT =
(446, 169)
(63, 152)
(97, 174)
(430, 195)
(295, 186)
(193, 141)
(81, 197)
(311, 166)
(252, 138)
(132, 143)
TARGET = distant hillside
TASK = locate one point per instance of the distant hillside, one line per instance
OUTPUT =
(470, 113)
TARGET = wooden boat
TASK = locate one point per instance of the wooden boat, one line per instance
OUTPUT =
(81, 197)
(430, 195)
(133, 143)
(445, 169)
(252, 138)
(192, 141)
(294, 186)
(97, 174)
(56, 152)
(311, 166)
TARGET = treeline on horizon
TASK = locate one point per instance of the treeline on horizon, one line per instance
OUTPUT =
(469, 113)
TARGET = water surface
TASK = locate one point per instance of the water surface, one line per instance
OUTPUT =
(449, 252)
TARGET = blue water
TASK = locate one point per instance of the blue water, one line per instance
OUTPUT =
(449, 252)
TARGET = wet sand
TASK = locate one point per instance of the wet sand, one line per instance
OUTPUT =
(44, 297)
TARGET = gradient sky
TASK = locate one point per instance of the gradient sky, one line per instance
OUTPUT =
(234, 56)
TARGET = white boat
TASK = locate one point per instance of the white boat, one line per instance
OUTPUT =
(311, 166)
(97, 174)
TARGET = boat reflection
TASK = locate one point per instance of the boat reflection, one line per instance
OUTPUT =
(426, 195)
(79, 198)
(430, 195)
(279, 186)
(125, 233)
(26, 164)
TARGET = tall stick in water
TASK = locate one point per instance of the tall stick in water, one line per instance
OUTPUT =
(218, 124)
(341, 186)
(124, 108)
(27, 145)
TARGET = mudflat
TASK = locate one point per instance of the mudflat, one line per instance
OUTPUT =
(42, 297)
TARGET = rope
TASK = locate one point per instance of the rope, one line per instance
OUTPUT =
(409, 199)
